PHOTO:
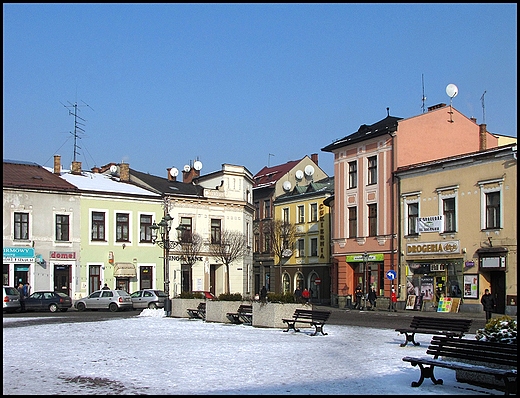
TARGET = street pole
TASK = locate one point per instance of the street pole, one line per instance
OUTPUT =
(167, 302)
(365, 259)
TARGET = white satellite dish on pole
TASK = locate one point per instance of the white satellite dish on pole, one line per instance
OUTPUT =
(187, 168)
(113, 169)
(452, 91)
(309, 170)
(174, 172)
(287, 186)
(197, 165)
(299, 174)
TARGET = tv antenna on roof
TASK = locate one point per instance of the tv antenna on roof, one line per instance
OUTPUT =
(483, 110)
(423, 96)
(75, 106)
(269, 160)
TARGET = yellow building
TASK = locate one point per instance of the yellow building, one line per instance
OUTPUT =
(458, 231)
(308, 263)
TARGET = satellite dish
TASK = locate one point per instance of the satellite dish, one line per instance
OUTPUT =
(174, 172)
(299, 174)
(187, 168)
(113, 168)
(287, 186)
(197, 165)
(286, 253)
(452, 90)
(309, 170)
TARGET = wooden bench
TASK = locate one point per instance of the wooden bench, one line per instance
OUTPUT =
(479, 353)
(244, 314)
(199, 312)
(312, 317)
(449, 327)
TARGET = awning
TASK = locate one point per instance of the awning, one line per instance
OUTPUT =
(491, 250)
(125, 270)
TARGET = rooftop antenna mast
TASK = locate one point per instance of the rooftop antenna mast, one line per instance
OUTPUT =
(73, 110)
(269, 160)
(423, 96)
(483, 108)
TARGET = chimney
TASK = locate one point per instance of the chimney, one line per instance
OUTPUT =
(76, 167)
(57, 164)
(482, 137)
(314, 158)
(124, 172)
(433, 107)
(473, 119)
(188, 176)
(170, 177)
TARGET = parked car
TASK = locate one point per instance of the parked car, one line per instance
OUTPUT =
(11, 299)
(48, 301)
(114, 300)
(148, 298)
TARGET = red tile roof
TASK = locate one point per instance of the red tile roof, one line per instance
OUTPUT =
(33, 176)
(269, 175)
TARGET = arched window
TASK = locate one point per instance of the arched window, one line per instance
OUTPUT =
(299, 281)
(286, 283)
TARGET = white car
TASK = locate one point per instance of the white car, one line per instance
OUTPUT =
(148, 298)
(11, 299)
(114, 300)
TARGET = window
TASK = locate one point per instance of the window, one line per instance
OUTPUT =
(215, 230)
(352, 222)
(492, 210)
(257, 210)
(314, 212)
(62, 227)
(285, 215)
(145, 232)
(413, 214)
(314, 247)
(372, 170)
(257, 243)
(300, 248)
(98, 226)
(122, 227)
(352, 174)
(267, 244)
(372, 220)
(267, 208)
(448, 208)
(301, 214)
(21, 226)
(185, 230)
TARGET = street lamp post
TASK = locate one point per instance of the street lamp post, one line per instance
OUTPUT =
(365, 277)
(166, 244)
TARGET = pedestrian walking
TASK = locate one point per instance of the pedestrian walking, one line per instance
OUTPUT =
(21, 289)
(263, 294)
(298, 295)
(306, 295)
(358, 294)
(105, 287)
(27, 290)
(393, 301)
(372, 296)
(488, 302)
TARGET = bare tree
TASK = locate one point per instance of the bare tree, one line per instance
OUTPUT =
(282, 235)
(189, 248)
(231, 246)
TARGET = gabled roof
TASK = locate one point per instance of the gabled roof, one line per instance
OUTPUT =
(314, 188)
(384, 126)
(165, 186)
(28, 175)
(270, 175)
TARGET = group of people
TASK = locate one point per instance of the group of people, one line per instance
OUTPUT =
(25, 291)
(302, 296)
(371, 297)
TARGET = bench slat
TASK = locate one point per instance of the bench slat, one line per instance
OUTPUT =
(450, 327)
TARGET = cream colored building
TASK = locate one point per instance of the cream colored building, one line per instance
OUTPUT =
(458, 231)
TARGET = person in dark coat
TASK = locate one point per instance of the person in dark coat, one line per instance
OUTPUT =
(372, 296)
(488, 302)
(263, 294)
(298, 295)
(22, 296)
(358, 294)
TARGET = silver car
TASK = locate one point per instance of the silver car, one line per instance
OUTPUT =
(114, 300)
(11, 299)
(148, 298)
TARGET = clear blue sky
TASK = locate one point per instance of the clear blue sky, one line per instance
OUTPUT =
(167, 84)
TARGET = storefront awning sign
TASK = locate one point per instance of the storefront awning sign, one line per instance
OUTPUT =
(125, 270)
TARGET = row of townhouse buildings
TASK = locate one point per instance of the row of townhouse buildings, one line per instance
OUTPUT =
(426, 206)
(74, 230)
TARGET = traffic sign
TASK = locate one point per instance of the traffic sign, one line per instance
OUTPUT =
(317, 281)
(390, 274)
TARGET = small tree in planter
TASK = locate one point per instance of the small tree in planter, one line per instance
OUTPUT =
(499, 330)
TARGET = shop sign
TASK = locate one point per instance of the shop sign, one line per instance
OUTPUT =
(358, 258)
(430, 224)
(448, 247)
(19, 255)
(62, 255)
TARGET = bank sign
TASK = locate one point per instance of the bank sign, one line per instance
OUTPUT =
(18, 254)
(447, 247)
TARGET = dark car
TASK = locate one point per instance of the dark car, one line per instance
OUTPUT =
(48, 301)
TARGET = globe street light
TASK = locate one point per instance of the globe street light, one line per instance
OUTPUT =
(166, 244)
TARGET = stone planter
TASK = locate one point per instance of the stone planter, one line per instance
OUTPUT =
(216, 310)
(269, 315)
(179, 306)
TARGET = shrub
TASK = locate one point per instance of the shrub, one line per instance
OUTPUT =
(230, 297)
(281, 298)
(190, 295)
(498, 330)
